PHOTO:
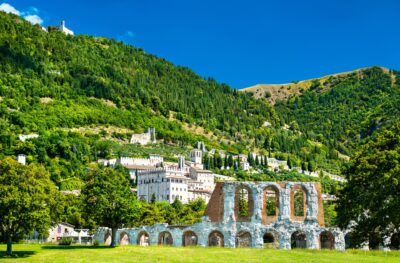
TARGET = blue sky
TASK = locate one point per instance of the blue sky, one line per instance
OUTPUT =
(241, 43)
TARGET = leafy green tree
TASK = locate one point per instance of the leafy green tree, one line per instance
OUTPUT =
(109, 201)
(26, 200)
(371, 195)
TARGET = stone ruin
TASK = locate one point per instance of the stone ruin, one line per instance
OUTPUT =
(247, 214)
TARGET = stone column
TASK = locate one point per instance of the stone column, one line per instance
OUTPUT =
(312, 203)
(339, 240)
(284, 203)
(312, 239)
(284, 241)
(229, 202)
(258, 203)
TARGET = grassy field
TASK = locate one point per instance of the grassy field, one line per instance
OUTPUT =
(54, 253)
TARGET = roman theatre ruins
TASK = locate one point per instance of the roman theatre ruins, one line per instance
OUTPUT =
(247, 214)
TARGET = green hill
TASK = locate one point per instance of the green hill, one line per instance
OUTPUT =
(85, 95)
(342, 110)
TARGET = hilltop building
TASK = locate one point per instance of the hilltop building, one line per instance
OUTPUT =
(144, 138)
(61, 28)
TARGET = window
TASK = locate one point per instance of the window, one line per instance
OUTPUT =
(243, 203)
(271, 201)
(298, 203)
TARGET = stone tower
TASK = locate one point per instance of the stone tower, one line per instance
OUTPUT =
(196, 156)
(181, 162)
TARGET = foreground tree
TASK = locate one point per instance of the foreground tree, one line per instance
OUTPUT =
(109, 201)
(371, 197)
(26, 200)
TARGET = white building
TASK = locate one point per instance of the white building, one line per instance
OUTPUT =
(185, 181)
(245, 166)
(277, 165)
(24, 137)
(163, 184)
(21, 158)
(65, 230)
(144, 138)
(64, 29)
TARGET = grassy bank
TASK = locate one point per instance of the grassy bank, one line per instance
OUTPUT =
(54, 253)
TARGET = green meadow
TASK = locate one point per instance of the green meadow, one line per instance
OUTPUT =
(55, 253)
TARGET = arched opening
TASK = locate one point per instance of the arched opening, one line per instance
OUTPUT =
(298, 240)
(124, 239)
(165, 239)
(243, 204)
(143, 239)
(298, 203)
(189, 238)
(216, 239)
(271, 201)
(395, 242)
(270, 240)
(243, 239)
(327, 240)
(107, 238)
(348, 241)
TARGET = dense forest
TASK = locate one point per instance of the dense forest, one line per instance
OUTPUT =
(344, 111)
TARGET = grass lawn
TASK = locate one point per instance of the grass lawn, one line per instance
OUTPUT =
(55, 253)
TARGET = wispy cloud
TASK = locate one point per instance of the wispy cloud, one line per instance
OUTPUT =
(34, 19)
(31, 14)
(9, 9)
(127, 37)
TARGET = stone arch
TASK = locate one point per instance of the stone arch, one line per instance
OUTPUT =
(165, 238)
(243, 203)
(298, 203)
(189, 238)
(348, 241)
(298, 240)
(243, 239)
(143, 239)
(107, 238)
(216, 239)
(326, 240)
(271, 239)
(395, 241)
(124, 239)
(270, 208)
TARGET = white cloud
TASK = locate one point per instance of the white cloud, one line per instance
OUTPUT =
(34, 19)
(9, 9)
(31, 15)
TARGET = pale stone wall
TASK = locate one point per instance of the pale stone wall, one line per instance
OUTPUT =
(282, 229)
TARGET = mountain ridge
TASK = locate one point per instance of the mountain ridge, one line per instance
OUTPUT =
(274, 92)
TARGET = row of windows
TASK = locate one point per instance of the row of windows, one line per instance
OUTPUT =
(158, 181)
(178, 189)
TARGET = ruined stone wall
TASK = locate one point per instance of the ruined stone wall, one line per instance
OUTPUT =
(256, 230)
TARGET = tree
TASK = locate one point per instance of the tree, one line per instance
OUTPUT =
(371, 195)
(26, 200)
(109, 201)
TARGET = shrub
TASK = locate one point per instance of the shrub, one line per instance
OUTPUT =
(65, 241)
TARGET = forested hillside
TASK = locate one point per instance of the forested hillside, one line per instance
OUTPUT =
(51, 83)
(343, 111)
